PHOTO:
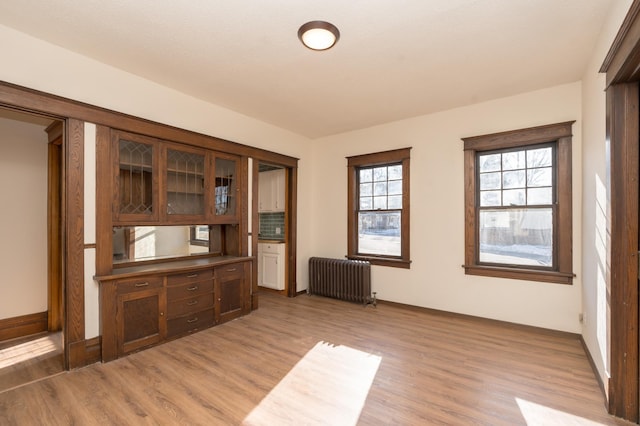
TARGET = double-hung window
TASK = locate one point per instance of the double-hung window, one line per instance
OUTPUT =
(518, 204)
(378, 221)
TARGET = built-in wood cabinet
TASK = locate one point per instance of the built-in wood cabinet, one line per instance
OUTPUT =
(164, 183)
(143, 306)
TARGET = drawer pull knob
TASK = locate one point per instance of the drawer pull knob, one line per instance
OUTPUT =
(192, 320)
(192, 302)
(192, 276)
(144, 284)
(195, 287)
(231, 270)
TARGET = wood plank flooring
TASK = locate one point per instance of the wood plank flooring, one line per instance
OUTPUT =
(435, 369)
(28, 359)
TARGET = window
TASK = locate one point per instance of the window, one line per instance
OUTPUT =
(518, 204)
(378, 222)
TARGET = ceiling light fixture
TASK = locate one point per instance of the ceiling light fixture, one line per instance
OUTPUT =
(318, 35)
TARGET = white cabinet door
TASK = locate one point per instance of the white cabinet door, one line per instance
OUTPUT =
(271, 188)
(270, 276)
(271, 265)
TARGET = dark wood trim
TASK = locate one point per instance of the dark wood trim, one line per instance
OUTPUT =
(104, 182)
(85, 352)
(24, 325)
(255, 225)
(25, 99)
(291, 216)
(621, 61)
(403, 156)
(74, 240)
(90, 246)
(622, 130)
(560, 134)
(54, 230)
(521, 137)
(596, 373)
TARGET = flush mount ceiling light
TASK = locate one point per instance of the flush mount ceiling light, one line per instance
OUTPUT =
(318, 35)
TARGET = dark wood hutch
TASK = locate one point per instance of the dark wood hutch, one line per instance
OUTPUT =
(145, 302)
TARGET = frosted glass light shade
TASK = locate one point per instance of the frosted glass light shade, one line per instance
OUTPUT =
(318, 35)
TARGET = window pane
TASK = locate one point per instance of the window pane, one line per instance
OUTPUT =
(380, 188)
(366, 189)
(379, 174)
(490, 180)
(366, 203)
(537, 196)
(366, 175)
(395, 202)
(513, 197)
(490, 198)
(513, 160)
(539, 177)
(395, 187)
(539, 157)
(380, 203)
(395, 172)
(517, 237)
(489, 163)
(379, 233)
(515, 179)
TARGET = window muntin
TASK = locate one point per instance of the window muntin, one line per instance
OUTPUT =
(380, 210)
(519, 197)
(516, 214)
(378, 205)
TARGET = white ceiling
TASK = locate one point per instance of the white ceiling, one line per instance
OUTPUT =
(395, 58)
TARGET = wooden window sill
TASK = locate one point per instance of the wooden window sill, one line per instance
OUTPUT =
(382, 261)
(520, 274)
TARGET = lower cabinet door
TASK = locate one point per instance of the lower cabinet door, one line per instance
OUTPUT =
(140, 319)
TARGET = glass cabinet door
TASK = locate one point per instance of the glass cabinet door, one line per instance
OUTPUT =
(185, 183)
(226, 186)
(136, 184)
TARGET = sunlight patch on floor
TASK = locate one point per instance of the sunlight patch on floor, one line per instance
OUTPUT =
(540, 415)
(329, 385)
(26, 351)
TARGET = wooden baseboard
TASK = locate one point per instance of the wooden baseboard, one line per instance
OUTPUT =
(24, 325)
(595, 371)
(85, 352)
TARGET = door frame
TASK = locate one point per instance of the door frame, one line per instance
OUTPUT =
(290, 217)
(622, 68)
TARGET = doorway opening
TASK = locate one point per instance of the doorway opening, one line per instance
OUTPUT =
(31, 292)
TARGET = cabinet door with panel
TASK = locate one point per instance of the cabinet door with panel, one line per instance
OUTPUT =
(140, 310)
(232, 291)
(185, 184)
(271, 191)
(136, 183)
(225, 188)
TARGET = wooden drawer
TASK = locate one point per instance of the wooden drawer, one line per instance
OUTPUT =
(229, 272)
(189, 290)
(190, 277)
(177, 308)
(138, 284)
(193, 322)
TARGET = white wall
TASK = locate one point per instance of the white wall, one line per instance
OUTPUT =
(436, 278)
(23, 221)
(595, 328)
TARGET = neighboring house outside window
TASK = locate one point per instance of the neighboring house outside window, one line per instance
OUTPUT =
(378, 204)
(518, 211)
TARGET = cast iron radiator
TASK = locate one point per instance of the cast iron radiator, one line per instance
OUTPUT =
(343, 279)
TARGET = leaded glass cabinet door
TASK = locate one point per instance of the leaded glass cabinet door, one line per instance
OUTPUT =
(226, 187)
(136, 180)
(185, 184)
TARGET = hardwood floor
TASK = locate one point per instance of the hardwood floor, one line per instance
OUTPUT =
(28, 359)
(434, 368)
